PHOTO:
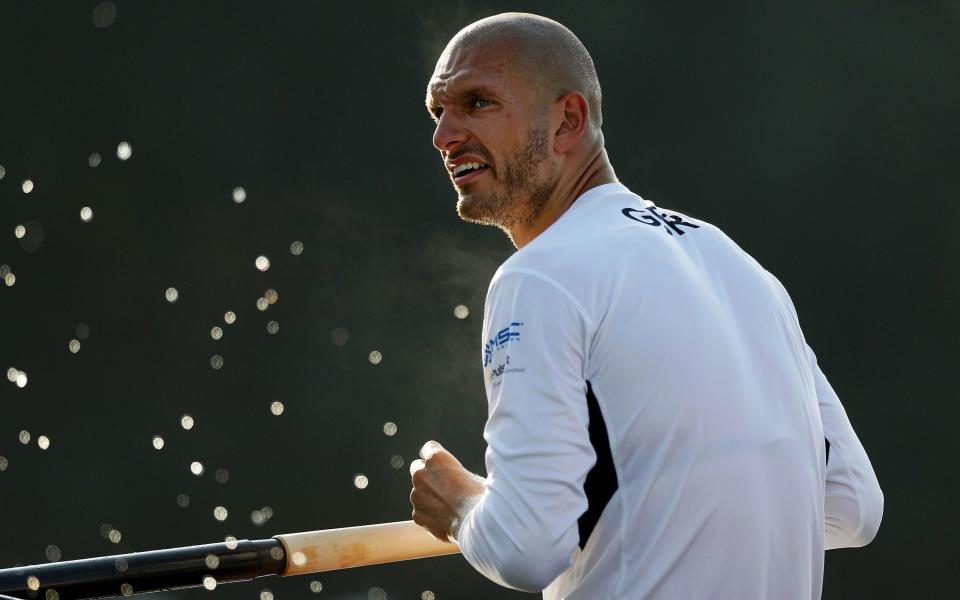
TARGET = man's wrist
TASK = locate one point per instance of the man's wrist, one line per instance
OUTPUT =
(467, 505)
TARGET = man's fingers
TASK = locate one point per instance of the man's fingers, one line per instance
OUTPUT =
(429, 449)
(417, 465)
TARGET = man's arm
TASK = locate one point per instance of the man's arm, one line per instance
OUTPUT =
(853, 501)
(523, 532)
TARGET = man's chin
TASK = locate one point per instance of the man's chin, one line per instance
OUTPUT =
(472, 209)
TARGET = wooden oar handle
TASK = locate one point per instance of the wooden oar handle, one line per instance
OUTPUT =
(332, 549)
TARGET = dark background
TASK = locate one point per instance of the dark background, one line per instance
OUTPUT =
(822, 136)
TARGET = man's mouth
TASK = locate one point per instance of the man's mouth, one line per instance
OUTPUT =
(466, 172)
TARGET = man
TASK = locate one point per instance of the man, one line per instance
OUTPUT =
(658, 427)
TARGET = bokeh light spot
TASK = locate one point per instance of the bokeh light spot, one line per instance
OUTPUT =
(104, 14)
(24, 437)
(239, 194)
(262, 304)
(229, 317)
(172, 294)
(315, 586)
(299, 558)
(183, 500)
(212, 561)
(460, 311)
(276, 407)
(377, 593)
(86, 214)
(216, 333)
(33, 583)
(126, 589)
(231, 542)
(158, 442)
(44, 442)
(187, 422)
(4, 463)
(222, 475)
(360, 481)
(339, 336)
(375, 357)
(209, 582)
(396, 461)
(216, 361)
(114, 536)
(9, 279)
(262, 263)
(124, 150)
(94, 160)
(196, 468)
(220, 513)
(271, 295)
(296, 248)
(53, 553)
(428, 595)
(273, 327)
(74, 346)
(390, 428)
(266, 595)
(27, 186)
(12, 373)
(20, 231)
(261, 516)
(22, 379)
(83, 331)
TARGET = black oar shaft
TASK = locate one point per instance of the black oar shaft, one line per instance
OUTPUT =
(127, 574)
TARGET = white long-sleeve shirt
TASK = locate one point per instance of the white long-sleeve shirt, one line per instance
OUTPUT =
(657, 423)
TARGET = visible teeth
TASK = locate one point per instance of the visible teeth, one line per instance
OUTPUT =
(463, 167)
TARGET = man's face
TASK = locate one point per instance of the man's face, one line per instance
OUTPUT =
(492, 134)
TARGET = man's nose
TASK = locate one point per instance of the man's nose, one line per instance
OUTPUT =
(449, 133)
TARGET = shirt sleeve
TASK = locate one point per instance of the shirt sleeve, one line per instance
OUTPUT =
(853, 501)
(523, 532)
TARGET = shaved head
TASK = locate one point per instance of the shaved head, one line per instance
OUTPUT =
(516, 102)
(546, 53)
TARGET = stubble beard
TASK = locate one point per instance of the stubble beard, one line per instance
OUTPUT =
(521, 197)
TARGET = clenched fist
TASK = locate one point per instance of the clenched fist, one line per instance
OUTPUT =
(443, 491)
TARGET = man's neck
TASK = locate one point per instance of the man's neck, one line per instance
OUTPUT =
(597, 171)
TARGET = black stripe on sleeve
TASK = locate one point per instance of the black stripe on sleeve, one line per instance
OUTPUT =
(827, 442)
(601, 482)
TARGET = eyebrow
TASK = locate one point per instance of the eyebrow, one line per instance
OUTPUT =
(474, 91)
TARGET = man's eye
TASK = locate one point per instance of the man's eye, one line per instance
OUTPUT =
(481, 103)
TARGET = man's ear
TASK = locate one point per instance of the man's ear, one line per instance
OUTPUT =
(575, 119)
